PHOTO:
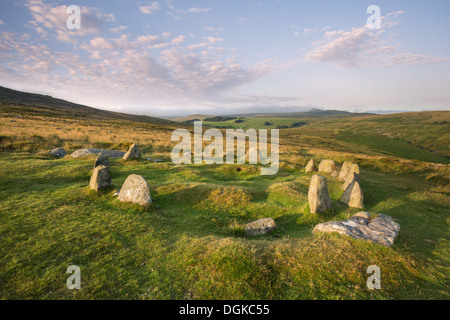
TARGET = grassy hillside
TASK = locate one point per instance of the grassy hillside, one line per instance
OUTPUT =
(17, 103)
(420, 135)
(429, 130)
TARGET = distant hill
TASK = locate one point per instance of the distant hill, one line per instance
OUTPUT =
(24, 103)
(191, 117)
(314, 113)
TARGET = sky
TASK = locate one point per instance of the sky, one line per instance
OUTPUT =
(176, 58)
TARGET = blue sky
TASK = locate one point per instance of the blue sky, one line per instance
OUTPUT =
(170, 58)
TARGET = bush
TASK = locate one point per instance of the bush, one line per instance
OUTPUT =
(191, 121)
(298, 124)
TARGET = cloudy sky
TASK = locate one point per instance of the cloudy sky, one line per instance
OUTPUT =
(169, 57)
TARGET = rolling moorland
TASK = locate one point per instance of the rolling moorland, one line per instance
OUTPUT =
(190, 243)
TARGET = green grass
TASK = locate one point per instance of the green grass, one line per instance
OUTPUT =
(254, 123)
(426, 130)
(189, 244)
(391, 146)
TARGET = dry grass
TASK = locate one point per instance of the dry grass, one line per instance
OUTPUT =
(76, 134)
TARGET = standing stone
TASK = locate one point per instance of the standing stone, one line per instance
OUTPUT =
(135, 190)
(102, 160)
(354, 169)
(350, 178)
(100, 178)
(318, 197)
(311, 166)
(345, 170)
(353, 195)
(58, 152)
(327, 166)
(260, 227)
(133, 153)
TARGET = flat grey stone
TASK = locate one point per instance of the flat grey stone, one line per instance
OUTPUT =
(58, 152)
(88, 152)
(380, 230)
(260, 227)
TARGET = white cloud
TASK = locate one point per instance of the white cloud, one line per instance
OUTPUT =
(179, 15)
(47, 19)
(199, 10)
(178, 39)
(40, 67)
(1, 22)
(123, 70)
(307, 31)
(166, 34)
(101, 43)
(149, 39)
(413, 59)
(212, 40)
(346, 49)
(63, 36)
(364, 48)
(123, 43)
(310, 31)
(118, 29)
(197, 45)
(150, 9)
(158, 45)
(213, 29)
